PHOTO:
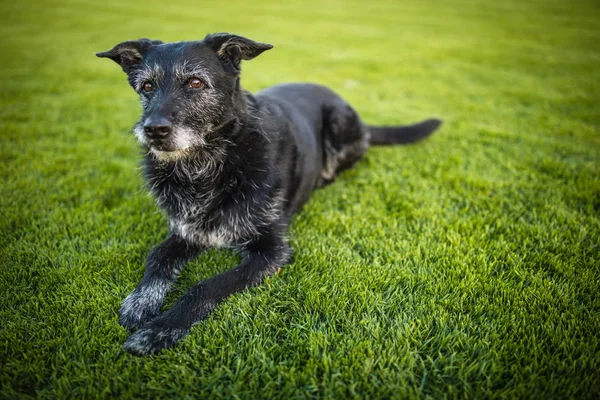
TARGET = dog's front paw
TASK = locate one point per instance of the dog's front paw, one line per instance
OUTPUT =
(140, 306)
(152, 338)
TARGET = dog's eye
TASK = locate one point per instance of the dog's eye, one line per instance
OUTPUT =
(147, 87)
(196, 83)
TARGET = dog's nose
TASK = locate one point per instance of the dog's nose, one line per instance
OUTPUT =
(157, 128)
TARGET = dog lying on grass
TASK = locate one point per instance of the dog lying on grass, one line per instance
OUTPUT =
(228, 168)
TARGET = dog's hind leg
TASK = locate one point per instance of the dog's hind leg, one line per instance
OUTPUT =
(345, 141)
(163, 264)
(166, 329)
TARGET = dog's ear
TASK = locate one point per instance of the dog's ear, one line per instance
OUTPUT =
(129, 54)
(233, 48)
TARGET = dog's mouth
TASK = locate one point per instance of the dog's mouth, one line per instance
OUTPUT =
(169, 155)
(163, 145)
(168, 149)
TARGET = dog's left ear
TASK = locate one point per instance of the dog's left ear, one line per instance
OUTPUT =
(129, 54)
(234, 48)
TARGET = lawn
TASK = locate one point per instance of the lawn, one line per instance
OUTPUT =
(467, 265)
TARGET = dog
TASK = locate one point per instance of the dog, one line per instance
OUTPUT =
(229, 169)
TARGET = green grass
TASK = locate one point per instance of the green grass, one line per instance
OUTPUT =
(465, 266)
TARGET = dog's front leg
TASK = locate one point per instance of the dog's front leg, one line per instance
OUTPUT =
(166, 329)
(163, 264)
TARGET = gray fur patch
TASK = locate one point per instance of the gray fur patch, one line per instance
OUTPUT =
(138, 130)
(233, 230)
(142, 303)
(347, 154)
(184, 71)
(184, 140)
(148, 73)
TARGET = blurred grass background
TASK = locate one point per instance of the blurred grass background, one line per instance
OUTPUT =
(465, 266)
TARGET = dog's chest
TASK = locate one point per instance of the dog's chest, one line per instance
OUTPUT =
(194, 231)
(234, 221)
(206, 220)
(215, 209)
(217, 218)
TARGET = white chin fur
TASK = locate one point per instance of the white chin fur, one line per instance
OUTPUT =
(170, 155)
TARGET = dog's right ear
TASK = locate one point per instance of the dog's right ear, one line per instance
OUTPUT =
(231, 49)
(129, 54)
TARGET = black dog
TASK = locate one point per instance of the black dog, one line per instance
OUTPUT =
(228, 168)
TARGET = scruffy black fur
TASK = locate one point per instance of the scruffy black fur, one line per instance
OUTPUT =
(228, 168)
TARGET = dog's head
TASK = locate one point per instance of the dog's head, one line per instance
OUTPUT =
(187, 89)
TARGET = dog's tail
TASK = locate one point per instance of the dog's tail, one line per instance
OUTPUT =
(385, 135)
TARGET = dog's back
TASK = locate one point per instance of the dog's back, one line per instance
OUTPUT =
(319, 126)
(321, 121)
